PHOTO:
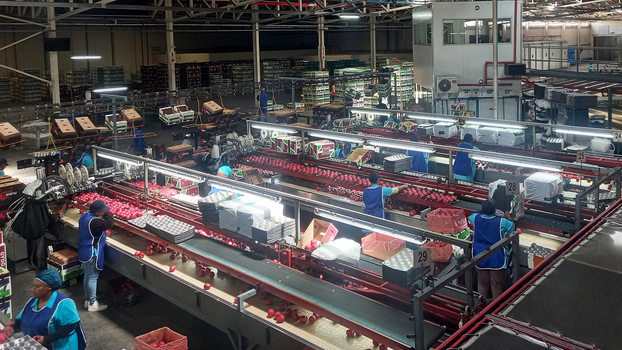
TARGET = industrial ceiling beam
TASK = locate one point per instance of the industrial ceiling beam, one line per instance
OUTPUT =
(101, 3)
(24, 21)
(219, 9)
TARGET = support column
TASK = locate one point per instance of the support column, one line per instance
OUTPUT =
(256, 51)
(53, 57)
(321, 54)
(372, 41)
(495, 59)
(170, 46)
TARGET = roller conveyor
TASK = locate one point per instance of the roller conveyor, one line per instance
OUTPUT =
(366, 312)
(492, 337)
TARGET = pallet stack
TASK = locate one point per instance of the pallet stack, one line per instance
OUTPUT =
(317, 90)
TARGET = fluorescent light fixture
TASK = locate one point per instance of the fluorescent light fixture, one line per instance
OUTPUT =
(366, 226)
(122, 160)
(174, 173)
(111, 89)
(349, 16)
(439, 118)
(402, 146)
(499, 125)
(369, 111)
(257, 195)
(85, 57)
(514, 163)
(273, 128)
(584, 133)
(336, 138)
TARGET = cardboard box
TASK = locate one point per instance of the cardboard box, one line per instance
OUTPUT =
(408, 127)
(67, 271)
(252, 176)
(282, 143)
(347, 130)
(10, 190)
(192, 190)
(295, 144)
(342, 123)
(6, 307)
(168, 116)
(121, 124)
(391, 125)
(322, 149)
(8, 133)
(360, 156)
(85, 126)
(381, 246)
(212, 108)
(189, 164)
(3, 258)
(64, 128)
(322, 231)
(64, 256)
(131, 116)
(5, 284)
(177, 182)
(178, 154)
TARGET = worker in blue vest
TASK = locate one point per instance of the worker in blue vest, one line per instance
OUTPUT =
(374, 196)
(263, 105)
(82, 158)
(490, 229)
(3, 164)
(92, 232)
(420, 159)
(49, 317)
(464, 166)
(138, 143)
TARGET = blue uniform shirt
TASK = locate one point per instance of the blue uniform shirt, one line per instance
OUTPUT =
(489, 229)
(374, 197)
(1, 172)
(85, 159)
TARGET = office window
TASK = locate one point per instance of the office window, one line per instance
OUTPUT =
(458, 31)
(422, 33)
(503, 31)
(475, 31)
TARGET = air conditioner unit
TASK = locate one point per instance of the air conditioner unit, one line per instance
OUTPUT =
(447, 85)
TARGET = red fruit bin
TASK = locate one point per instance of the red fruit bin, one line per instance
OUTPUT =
(444, 220)
(381, 246)
(439, 251)
(172, 340)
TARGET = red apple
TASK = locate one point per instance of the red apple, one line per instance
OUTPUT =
(172, 268)
(207, 286)
(270, 313)
(302, 319)
(350, 333)
(280, 319)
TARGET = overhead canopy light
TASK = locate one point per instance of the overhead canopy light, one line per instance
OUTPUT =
(513, 163)
(402, 146)
(122, 160)
(349, 16)
(584, 133)
(335, 137)
(370, 111)
(123, 88)
(85, 57)
(499, 125)
(273, 128)
(173, 173)
(439, 118)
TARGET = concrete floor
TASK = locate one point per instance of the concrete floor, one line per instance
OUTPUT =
(116, 328)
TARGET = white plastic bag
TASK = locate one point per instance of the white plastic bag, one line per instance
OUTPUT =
(338, 248)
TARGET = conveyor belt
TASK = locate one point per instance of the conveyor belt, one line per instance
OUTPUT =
(580, 297)
(366, 312)
(494, 338)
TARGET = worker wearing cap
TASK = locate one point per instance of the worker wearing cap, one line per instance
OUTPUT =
(224, 171)
(464, 166)
(374, 195)
(83, 158)
(490, 229)
(3, 164)
(92, 234)
(420, 159)
(263, 105)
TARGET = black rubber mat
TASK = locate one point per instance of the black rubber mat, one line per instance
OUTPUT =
(494, 338)
(366, 312)
(604, 250)
(579, 301)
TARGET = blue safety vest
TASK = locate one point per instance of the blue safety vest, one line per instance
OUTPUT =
(80, 160)
(374, 205)
(488, 232)
(38, 323)
(420, 164)
(87, 243)
(463, 164)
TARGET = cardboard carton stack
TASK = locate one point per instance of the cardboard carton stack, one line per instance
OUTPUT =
(8, 134)
(212, 108)
(5, 282)
(10, 190)
(66, 263)
(178, 154)
(84, 126)
(132, 117)
(63, 129)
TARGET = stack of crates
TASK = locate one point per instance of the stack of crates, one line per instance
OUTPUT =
(29, 88)
(317, 89)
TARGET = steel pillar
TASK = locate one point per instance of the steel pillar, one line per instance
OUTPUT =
(53, 56)
(256, 50)
(170, 46)
(495, 59)
(321, 54)
(372, 41)
(610, 91)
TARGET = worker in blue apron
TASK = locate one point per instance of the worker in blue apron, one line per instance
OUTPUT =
(49, 317)
(263, 105)
(464, 166)
(138, 143)
(490, 229)
(374, 196)
(82, 158)
(420, 159)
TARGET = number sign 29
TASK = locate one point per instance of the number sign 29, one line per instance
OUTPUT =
(422, 258)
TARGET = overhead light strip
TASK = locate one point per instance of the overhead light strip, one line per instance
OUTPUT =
(514, 163)
(122, 160)
(174, 173)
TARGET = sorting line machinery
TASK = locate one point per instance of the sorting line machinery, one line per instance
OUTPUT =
(284, 271)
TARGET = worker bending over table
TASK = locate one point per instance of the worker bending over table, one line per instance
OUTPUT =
(374, 195)
(464, 166)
